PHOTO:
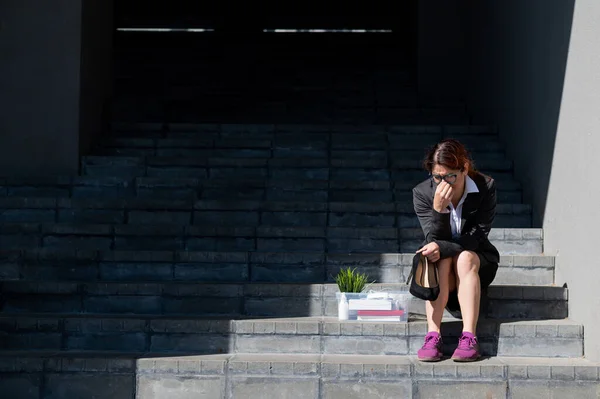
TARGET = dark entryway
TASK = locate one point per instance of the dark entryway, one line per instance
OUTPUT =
(358, 68)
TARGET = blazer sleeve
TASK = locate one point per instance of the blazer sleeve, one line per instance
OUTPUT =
(435, 225)
(442, 234)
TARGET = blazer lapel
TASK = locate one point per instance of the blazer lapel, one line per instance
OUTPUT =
(469, 206)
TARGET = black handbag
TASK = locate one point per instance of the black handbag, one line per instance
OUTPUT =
(425, 283)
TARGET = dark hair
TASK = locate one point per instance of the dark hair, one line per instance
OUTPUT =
(449, 153)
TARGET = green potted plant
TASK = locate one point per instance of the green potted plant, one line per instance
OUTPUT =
(348, 281)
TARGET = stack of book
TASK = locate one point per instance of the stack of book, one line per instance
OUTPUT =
(370, 304)
(375, 309)
(380, 315)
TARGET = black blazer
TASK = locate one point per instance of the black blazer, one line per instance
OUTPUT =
(478, 212)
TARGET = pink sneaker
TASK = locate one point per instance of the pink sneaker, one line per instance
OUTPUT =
(431, 351)
(468, 348)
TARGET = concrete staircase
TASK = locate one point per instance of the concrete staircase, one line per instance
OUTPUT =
(197, 261)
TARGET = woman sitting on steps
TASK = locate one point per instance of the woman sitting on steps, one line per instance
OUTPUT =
(456, 207)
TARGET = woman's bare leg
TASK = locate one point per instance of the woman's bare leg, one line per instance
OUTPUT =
(435, 309)
(466, 267)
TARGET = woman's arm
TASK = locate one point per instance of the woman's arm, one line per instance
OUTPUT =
(436, 226)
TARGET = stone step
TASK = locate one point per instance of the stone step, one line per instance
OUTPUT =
(195, 189)
(546, 338)
(277, 131)
(104, 375)
(242, 213)
(309, 140)
(341, 140)
(136, 167)
(120, 181)
(307, 158)
(280, 235)
(161, 204)
(134, 107)
(248, 299)
(412, 136)
(139, 333)
(70, 264)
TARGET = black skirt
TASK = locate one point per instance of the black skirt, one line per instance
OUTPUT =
(487, 273)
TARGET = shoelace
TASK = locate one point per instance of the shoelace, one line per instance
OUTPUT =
(431, 342)
(466, 342)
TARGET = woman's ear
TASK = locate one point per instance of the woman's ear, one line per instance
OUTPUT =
(466, 168)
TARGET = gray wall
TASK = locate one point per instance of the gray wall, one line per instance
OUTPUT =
(39, 86)
(518, 53)
(96, 70)
(536, 74)
(572, 219)
(40, 81)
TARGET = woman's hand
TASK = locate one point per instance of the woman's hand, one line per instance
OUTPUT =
(443, 196)
(431, 251)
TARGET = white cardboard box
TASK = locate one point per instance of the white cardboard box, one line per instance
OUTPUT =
(378, 300)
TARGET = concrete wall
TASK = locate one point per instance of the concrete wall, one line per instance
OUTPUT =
(96, 70)
(39, 86)
(536, 74)
(572, 218)
(40, 82)
(518, 53)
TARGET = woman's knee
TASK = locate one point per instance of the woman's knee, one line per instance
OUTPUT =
(467, 262)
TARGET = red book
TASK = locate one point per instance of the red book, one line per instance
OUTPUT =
(380, 312)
